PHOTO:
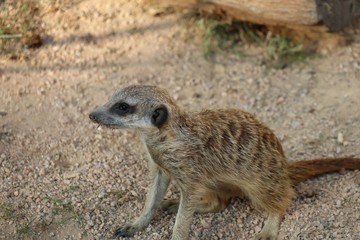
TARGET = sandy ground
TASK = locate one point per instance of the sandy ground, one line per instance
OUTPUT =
(61, 177)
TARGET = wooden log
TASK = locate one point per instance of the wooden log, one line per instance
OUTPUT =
(310, 22)
(335, 14)
(269, 12)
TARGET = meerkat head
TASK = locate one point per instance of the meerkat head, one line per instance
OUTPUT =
(139, 107)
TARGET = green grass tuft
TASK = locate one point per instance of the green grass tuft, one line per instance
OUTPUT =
(66, 210)
(17, 20)
(8, 212)
(219, 35)
(281, 52)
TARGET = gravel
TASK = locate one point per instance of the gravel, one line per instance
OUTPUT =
(62, 177)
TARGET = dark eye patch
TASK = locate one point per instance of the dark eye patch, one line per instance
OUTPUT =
(122, 109)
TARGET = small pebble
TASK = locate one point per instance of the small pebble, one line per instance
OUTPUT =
(340, 138)
(90, 223)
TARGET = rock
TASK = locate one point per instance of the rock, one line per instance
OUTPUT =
(69, 175)
(90, 223)
(42, 172)
(340, 138)
(338, 149)
(205, 224)
(257, 229)
(280, 100)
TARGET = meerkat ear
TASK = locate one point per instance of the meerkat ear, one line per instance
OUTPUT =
(159, 116)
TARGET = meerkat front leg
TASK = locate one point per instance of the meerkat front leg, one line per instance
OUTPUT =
(156, 193)
(183, 218)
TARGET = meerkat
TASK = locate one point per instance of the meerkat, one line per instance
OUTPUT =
(212, 156)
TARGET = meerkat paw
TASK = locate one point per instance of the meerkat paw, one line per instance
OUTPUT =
(270, 229)
(265, 236)
(169, 206)
(125, 231)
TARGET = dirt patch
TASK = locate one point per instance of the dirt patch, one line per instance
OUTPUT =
(64, 178)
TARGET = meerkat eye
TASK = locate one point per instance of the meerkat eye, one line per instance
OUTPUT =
(124, 107)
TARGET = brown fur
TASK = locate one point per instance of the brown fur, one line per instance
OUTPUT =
(305, 169)
(211, 155)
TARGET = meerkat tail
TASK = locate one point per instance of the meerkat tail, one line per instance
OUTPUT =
(302, 170)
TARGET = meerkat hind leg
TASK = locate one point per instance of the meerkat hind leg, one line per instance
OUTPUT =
(212, 202)
(270, 229)
(169, 206)
(184, 217)
(209, 202)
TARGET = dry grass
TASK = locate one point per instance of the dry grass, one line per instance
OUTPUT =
(230, 36)
(20, 26)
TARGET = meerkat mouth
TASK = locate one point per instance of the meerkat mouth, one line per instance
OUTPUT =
(111, 126)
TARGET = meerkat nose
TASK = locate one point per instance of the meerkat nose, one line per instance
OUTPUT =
(93, 117)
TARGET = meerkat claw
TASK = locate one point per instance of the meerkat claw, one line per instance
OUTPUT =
(125, 231)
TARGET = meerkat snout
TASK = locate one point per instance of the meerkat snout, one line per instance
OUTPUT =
(98, 116)
(93, 117)
(101, 116)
